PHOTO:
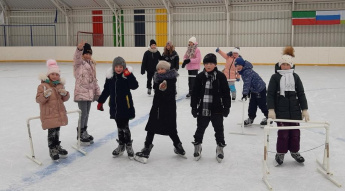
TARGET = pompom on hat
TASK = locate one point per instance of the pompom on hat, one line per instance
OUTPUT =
(163, 64)
(286, 59)
(52, 67)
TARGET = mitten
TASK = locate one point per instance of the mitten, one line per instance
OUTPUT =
(226, 112)
(127, 71)
(194, 112)
(185, 62)
(229, 53)
(217, 49)
(244, 97)
(62, 92)
(271, 114)
(163, 86)
(100, 106)
(305, 115)
(47, 92)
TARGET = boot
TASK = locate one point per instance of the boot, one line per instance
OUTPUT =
(54, 153)
(144, 154)
(129, 149)
(197, 150)
(84, 137)
(149, 91)
(119, 150)
(62, 152)
(280, 158)
(219, 152)
(297, 157)
(263, 122)
(233, 96)
(248, 122)
(179, 150)
(88, 135)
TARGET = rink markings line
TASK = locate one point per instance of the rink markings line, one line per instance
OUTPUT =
(54, 167)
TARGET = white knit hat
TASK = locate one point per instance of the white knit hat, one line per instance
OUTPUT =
(286, 59)
(163, 64)
(236, 50)
(52, 67)
(192, 39)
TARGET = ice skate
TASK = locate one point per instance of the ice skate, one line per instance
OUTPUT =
(297, 157)
(188, 95)
(143, 155)
(219, 152)
(248, 122)
(90, 137)
(180, 151)
(233, 96)
(54, 154)
(263, 122)
(129, 149)
(84, 138)
(197, 150)
(119, 150)
(149, 91)
(62, 152)
(280, 158)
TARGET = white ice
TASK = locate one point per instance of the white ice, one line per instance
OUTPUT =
(241, 168)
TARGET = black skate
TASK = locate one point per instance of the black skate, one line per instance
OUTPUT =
(129, 149)
(54, 153)
(297, 157)
(180, 151)
(197, 150)
(90, 137)
(119, 150)
(263, 122)
(143, 155)
(280, 158)
(248, 122)
(149, 91)
(219, 152)
(62, 152)
(84, 137)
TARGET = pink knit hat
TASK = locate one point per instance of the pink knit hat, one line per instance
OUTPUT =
(52, 67)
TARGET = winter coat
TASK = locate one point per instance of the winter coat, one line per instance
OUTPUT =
(52, 110)
(230, 69)
(173, 59)
(252, 82)
(290, 105)
(150, 61)
(195, 61)
(118, 88)
(220, 93)
(86, 87)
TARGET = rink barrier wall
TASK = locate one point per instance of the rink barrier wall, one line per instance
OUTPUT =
(321, 56)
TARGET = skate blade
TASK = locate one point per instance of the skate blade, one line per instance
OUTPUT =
(219, 159)
(115, 156)
(183, 156)
(197, 158)
(85, 143)
(131, 157)
(63, 156)
(141, 159)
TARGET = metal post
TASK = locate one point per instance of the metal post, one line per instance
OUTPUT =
(32, 44)
(67, 35)
(292, 26)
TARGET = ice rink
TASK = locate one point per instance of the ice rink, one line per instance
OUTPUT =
(240, 170)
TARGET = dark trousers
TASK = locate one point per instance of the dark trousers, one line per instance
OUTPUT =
(123, 130)
(257, 99)
(53, 137)
(217, 123)
(150, 135)
(191, 80)
(288, 140)
(149, 80)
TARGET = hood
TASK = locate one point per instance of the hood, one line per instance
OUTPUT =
(43, 77)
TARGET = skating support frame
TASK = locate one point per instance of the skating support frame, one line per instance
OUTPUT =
(324, 166)
(32, 156)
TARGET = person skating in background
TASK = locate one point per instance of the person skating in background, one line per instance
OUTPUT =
(210, 101)
(162, 118)
(149, 63)
(171, 56)
(192, 59)
(230, 69)
(86, 87)
(118, 85)
(51, 95)
(254, 88)
(286, 100)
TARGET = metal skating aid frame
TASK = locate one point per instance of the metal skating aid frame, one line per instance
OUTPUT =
(32, 156)
(325, 167)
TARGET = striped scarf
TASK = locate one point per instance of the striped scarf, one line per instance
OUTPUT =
(208, 97)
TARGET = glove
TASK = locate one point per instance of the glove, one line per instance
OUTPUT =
(217, 49)
(194, 112)
(163, 86)
(305, 115)
(271, 114)
(62, 92)
(229, 53)
(47, 92)
(100, 106)
(226, 112)
(185, 62)
(244, 97)
(127, 71)
(237, 79)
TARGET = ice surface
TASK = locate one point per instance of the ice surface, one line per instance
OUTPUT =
(241, 168)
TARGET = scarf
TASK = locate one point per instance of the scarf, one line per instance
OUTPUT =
(287, 81)
(53, 82)
(208, 98)
(170, 74)
(191, 51)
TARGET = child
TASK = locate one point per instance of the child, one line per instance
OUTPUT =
(192, 59)
(149, 63)
(286, 100)
(86, 87)
(171, 56)
(162, 118)
(50, 95)
(118, 85)
(230, 69)
(254, 88)
(210, 101)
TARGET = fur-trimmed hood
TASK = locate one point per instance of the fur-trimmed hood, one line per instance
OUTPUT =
(152, 50)
(43, 77)
(170, 74)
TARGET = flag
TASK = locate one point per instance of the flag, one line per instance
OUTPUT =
(327, 17)
(2, 19)
(318, 17)
(303, 17)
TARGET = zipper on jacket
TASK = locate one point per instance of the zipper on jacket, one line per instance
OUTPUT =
(115, 96)
(129, 106)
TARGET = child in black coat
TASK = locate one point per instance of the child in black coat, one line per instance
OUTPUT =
(162, 118)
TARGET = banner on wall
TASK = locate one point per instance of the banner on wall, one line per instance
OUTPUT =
(318, 17)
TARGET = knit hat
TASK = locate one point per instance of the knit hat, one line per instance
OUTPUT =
(119, 61)
(192, 39)
(169, 43)
(163, 64)
(286, 59)
(210, 58)
(52, 67)
(152, 42)
(87, 49)
(236, 50)
(239, 61)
